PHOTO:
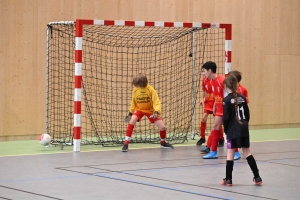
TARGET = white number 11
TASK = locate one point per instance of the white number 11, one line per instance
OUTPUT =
(242, 109)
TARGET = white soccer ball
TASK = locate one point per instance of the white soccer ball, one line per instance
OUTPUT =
(45, 139)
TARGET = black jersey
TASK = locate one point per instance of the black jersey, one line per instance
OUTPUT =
(232, 128)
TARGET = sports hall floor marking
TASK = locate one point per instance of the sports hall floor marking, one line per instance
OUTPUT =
(162, 187)
(83, 174)
(23, 191)
(127, 172)
(134, 148)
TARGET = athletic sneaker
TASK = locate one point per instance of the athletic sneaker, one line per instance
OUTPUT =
(237, 155)
(257, 180)
(226, 182)
(211, 155)
(125, 148)
(201, 141)
(166, 145)
(221, 143)
(205, 150)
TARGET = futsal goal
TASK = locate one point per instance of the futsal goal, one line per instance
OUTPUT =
(90, 66)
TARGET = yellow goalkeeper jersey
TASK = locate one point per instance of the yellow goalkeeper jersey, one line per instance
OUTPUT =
(145, 100)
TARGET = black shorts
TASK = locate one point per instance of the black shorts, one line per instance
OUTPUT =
(238, 143)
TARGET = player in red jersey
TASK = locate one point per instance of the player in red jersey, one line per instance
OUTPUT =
(207, 102)
(209, 70)
(243, 91)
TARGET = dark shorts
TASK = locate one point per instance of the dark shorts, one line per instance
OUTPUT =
(238, 143)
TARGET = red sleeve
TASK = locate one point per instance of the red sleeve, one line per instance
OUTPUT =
(243, 91)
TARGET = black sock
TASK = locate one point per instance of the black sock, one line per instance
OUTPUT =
(253, 166)
(229, 168)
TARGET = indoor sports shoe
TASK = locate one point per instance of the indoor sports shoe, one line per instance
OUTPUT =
(205, 150)
(221, 143)
(125, 148)
(211, 155)
(166, 146)
(226, 182)
(257, 180)
(237, 155)
(201, 141)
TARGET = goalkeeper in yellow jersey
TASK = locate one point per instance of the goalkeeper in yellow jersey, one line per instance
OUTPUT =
(144, 102)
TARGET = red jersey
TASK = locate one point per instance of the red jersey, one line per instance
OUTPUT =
(209, 96)
(243, 91)
(218, 91)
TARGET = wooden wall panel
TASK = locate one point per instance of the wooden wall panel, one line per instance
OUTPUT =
(266, 48)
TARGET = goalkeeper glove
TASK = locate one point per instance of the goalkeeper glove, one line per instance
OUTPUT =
(154, 115)
(128, 117)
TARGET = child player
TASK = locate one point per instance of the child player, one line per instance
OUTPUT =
(144, 102)
(209, 71)
(207, 102)
(243, 91)
(236, 118)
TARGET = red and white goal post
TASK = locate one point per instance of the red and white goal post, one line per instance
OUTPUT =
(108, 53)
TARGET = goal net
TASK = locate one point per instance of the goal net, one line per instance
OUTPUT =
(90, 66)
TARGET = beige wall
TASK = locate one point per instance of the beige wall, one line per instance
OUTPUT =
(266, 48)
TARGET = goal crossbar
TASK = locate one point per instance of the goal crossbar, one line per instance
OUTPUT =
(98, 48)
